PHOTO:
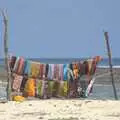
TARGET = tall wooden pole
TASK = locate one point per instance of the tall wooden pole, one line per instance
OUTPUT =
(110, 64)
(7, 68)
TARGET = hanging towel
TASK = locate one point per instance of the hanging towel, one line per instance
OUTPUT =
(39, 88)
(17, 82)
(21, 66)
(25, 78)
(65, 66)
(12, 62)
(55, 72)
(51, 87)
(30, 87)
(90, 63)
(41, 70)
(50, 72)
(46, 71)
(16, 65)
(70, 74)
(27, 67)
(60, 72)
(52, 67)
(63, 88)
(34, 69)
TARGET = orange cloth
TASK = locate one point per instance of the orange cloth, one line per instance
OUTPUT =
(30, 87)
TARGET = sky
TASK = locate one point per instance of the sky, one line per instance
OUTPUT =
(61, 28)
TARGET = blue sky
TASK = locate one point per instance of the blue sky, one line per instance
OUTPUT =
(62, 28)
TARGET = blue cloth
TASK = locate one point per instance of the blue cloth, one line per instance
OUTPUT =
(65, 66)
(27, 67)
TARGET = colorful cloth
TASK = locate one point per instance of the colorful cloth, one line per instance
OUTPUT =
(65, 68)
(16, 65)
(39, 87)
(27, 67)
(30, 87)
(21, 66)
(50, 72)
(34, 69)
(12, 62)
(17, 82)
(60, 72)
(63, 88)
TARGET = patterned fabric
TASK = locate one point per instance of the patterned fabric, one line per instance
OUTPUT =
(63, 89)
(75, 70)
(60, 72)
(17, 82)
(23, 83)
(50, 87)
(21, 66)
(39, 87)
(50, 72)
(41, 70)
(34, 69)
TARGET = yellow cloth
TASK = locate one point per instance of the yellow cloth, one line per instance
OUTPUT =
(18, 98)
(34, 69)
(30, 87)
(63, 88)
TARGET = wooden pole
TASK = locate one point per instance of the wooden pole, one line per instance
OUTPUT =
(110, 63)
(7, 68)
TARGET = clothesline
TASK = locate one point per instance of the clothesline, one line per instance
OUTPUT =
(40, 76)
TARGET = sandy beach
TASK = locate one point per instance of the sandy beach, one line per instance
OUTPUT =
(61, 110)
(98, 106)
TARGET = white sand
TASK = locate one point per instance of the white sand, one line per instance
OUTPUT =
(61, 110)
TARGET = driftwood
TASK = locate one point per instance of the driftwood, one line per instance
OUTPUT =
(110, 63)
(7, 68)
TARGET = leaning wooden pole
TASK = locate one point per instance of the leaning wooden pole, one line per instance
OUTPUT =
(7, 68)
(110, 64)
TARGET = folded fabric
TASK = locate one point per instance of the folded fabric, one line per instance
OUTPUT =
(17, 82)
